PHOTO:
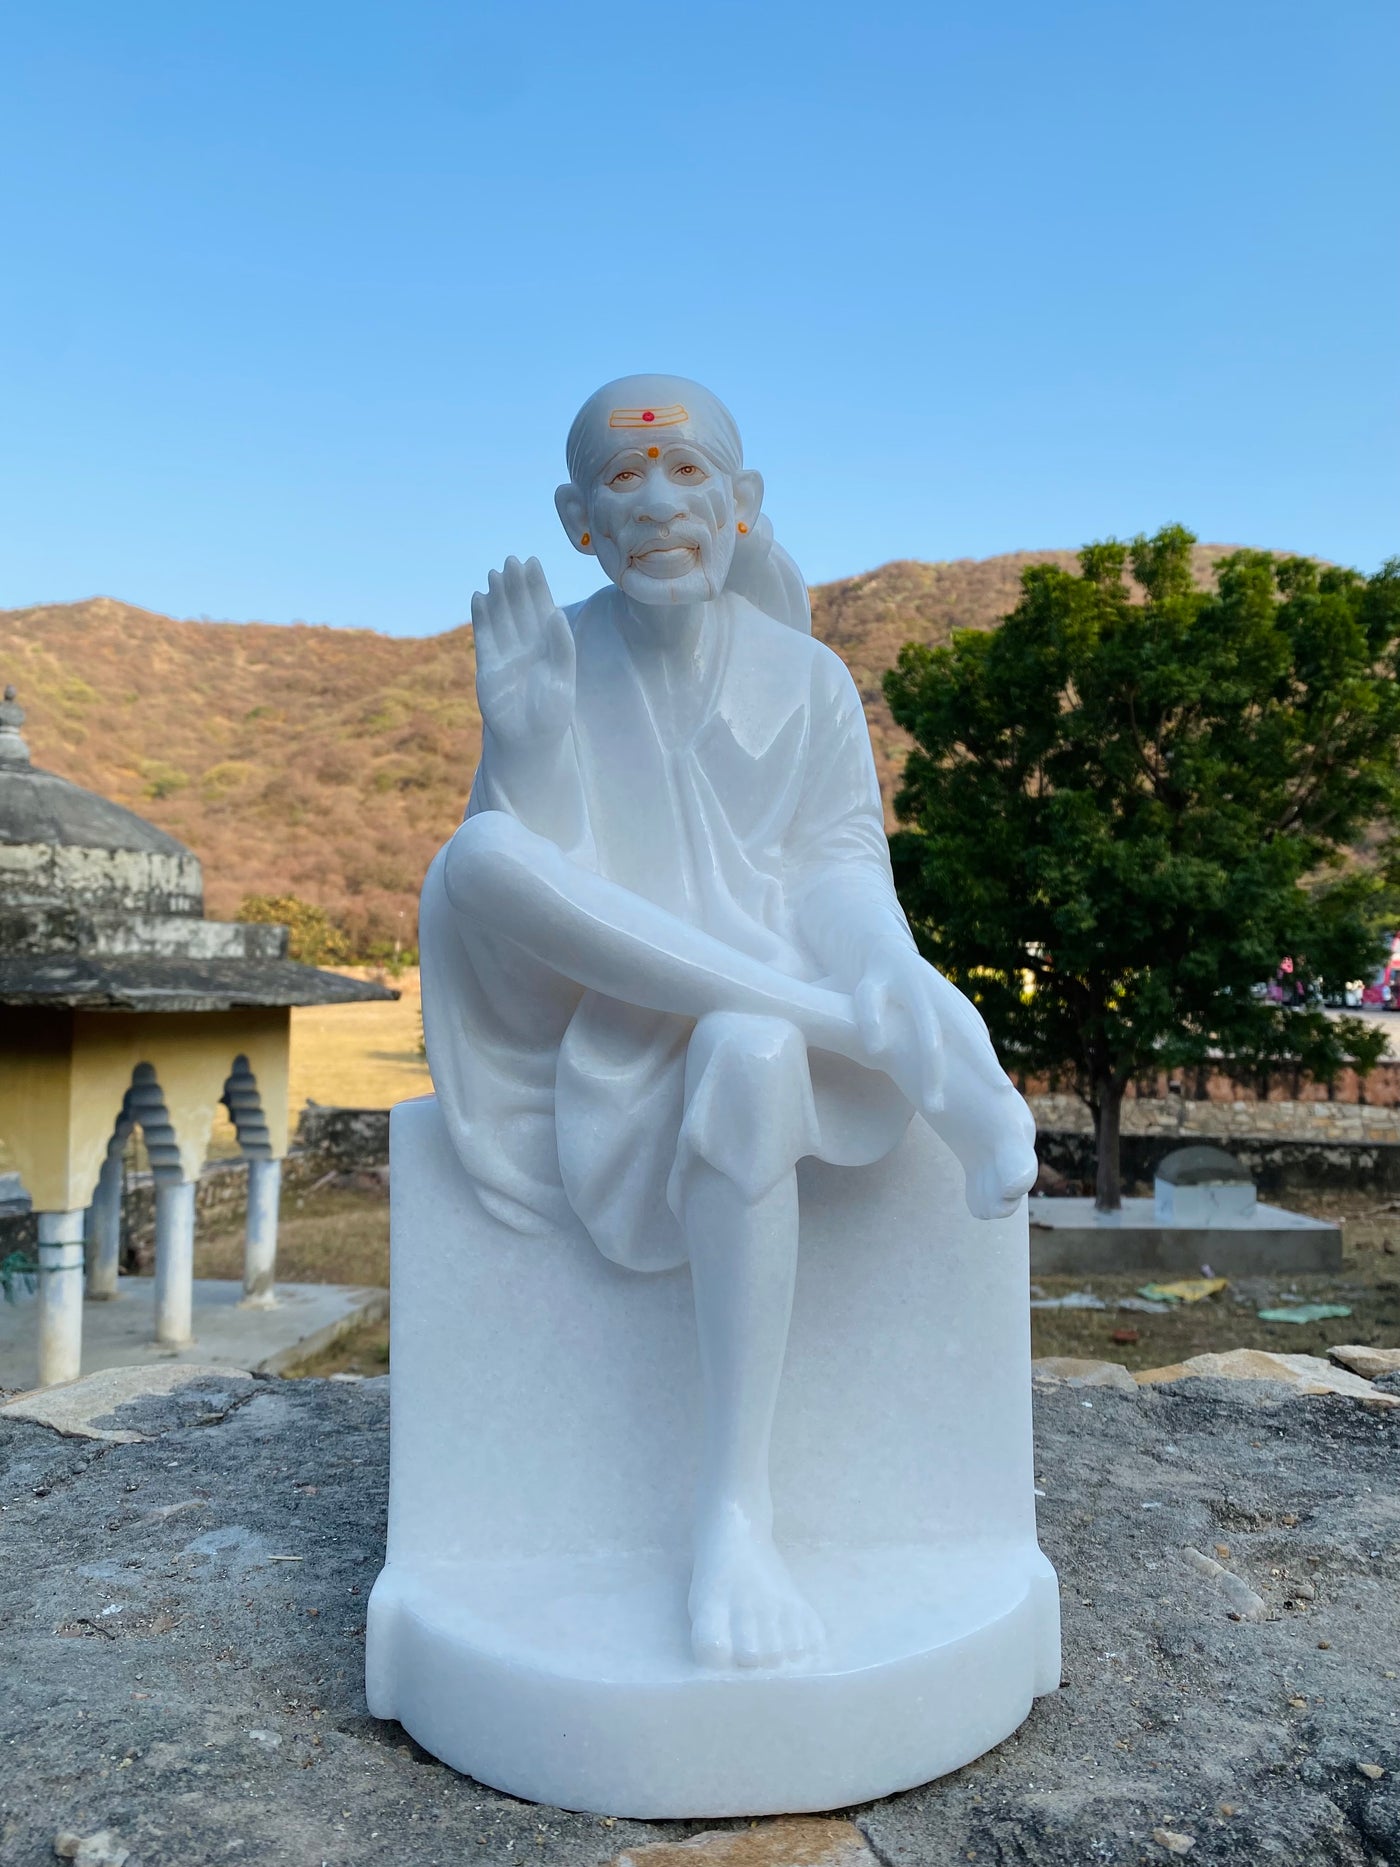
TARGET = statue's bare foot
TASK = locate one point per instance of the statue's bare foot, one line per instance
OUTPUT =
(745, 1609)
(996, 1188)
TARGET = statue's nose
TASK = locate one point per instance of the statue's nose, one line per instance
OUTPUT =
(660, 500)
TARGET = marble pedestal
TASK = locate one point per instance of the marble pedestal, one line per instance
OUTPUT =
(530, 1625)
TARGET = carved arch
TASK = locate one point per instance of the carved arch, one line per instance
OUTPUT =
(145, 1104)
(244, 1104)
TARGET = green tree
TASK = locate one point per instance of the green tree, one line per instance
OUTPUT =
(1126, 808)
(313, 937)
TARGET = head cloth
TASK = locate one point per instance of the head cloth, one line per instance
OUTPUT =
(652, 411)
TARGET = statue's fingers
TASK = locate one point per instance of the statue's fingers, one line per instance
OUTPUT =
(931, 1052)
(487, 647)
(512, 591)
(537, 584)
(871, 1003)
(559, 643)
(511, 625)
(528, 617)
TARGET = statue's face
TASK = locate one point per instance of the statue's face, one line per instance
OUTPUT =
(663, 523)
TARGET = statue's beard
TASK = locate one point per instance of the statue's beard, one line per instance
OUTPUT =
(669, 581)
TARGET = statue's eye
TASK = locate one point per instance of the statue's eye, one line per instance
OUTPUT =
(688, 468)
(618, 478)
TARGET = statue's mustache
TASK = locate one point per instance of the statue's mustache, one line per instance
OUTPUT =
(665, 538)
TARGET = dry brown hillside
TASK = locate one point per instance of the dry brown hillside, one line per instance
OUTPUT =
(331, 763)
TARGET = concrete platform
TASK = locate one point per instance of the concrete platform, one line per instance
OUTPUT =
(1070, 1236)
(119, 1334)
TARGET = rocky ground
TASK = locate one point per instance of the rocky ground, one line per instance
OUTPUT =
(182, 1643)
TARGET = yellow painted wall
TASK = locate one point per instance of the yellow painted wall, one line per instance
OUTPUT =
(63, 1076)
(35, 1068)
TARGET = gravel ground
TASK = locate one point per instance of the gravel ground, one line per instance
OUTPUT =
(170, 1681)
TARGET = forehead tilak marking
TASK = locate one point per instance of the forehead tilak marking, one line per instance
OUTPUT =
(670, 417)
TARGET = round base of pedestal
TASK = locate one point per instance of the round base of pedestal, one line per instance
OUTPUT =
(569, 1681)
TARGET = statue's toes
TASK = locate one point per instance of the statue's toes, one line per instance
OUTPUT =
(1019, 1168)
(995, 1189)
(757, 1637)
(803, 1633)
(711, 1639)
(984, 1200)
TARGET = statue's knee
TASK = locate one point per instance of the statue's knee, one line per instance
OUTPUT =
(482, 855)
(746, 1059)
(740, 1034)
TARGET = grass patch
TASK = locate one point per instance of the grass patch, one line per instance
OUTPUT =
(330, 1237)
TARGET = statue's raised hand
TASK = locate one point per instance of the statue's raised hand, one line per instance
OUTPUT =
(524, 658)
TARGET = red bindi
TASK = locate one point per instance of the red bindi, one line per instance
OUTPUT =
(648, 415)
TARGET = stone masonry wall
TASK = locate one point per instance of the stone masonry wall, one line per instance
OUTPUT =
(1216, 1119)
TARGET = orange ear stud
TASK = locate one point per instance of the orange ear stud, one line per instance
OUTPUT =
(586, 539)
(742, 526)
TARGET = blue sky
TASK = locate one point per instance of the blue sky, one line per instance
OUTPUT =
(298, 299)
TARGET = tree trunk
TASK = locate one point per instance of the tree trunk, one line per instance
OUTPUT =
(1108, 1188)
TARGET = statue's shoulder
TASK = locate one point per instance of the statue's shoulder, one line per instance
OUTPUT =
(593, 608)
(792, 653)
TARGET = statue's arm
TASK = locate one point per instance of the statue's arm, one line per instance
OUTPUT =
(525, 680)
(542, 790)
(510, 882)
(842, 897)
(840, 884)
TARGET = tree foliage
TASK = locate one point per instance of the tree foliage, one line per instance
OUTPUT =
(312, 936)
(1126, 806)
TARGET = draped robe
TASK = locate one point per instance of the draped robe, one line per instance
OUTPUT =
(754, 821)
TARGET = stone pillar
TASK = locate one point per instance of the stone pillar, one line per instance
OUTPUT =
(260, 1239)
(60, 1296)
(174, 1261)
(104, 1230)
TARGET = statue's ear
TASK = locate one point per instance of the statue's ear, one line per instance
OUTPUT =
(748, 498)
(572, 508)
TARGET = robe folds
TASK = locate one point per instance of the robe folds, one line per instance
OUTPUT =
(750, 812)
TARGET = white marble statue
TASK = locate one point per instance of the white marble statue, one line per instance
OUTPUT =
(664, 964)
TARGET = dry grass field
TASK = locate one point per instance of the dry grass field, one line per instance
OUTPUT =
(360, 1056)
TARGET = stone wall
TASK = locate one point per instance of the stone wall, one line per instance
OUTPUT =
(1215, 1119)
(1279, 1165)
(1377, 1089)
(1288, 1146)
(344, 1140)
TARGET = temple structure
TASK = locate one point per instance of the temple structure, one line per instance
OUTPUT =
(121, 1007)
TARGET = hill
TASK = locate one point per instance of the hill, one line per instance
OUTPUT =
(332, 763)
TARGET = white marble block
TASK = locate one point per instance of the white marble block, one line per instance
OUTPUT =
(530, 1626)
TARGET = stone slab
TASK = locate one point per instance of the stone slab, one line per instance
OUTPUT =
(1370, 1363)
(85, 1408)
(1082, 1371)
(120, 1333)
(189, 1676)
(1070, 1237)
(793, 1842)
(1306, 1374)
